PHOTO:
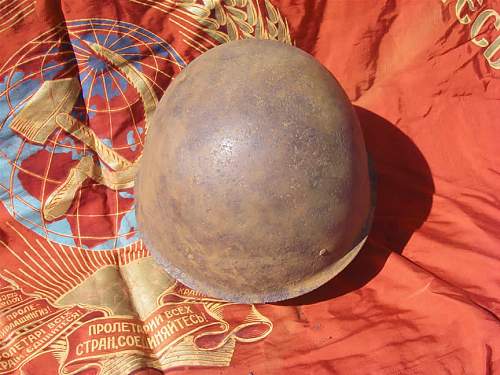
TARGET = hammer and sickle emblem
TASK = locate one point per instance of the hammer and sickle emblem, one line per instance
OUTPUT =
(49, 109)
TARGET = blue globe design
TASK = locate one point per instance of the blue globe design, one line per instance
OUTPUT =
(109, 104)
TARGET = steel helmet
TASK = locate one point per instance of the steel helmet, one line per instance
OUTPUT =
(254, 183)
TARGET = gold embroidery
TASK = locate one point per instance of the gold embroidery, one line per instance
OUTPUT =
(103, 289)
(136, 78)
(460, 5)
(243, 19)
(240, 18)
(87, 136)
(58, 203)
(491, 51)
(120, 304)
(479, 23)
(49, 108)
(477, 27)
(483, 42)
(37, 120)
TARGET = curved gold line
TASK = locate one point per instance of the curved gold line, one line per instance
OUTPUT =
(136, 78)
(124, 178)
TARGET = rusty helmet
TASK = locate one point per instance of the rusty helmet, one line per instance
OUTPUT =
(254, 183)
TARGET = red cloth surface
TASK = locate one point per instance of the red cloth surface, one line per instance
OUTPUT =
(422, 297)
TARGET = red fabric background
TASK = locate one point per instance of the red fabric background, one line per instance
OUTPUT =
(423, 295)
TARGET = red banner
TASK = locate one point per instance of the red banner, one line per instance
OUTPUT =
(29, 344)
(9, 298)
(109, 336)
(422, 295)
(24, 315)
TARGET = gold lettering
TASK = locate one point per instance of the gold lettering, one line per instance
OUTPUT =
(193, 319)
(4, 297)
(121, 341)
(158, 337)
(189, 292)
(10, 363)
(491, 51)
(130, 341)
(118, 327)
(94, 345)
(172, 327)
(108, 328)
(9, 299)
(479, 23)
(459, 6)
(153, 324)
(125, 327)
(21, 311)
(181, 310)
(201, 318)
(18, 345)
(32, 338)
(102, 343)
(185, 320)
(87, 344)
(112, 342)
(137, 341)
(179, 323)
(79, 350)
